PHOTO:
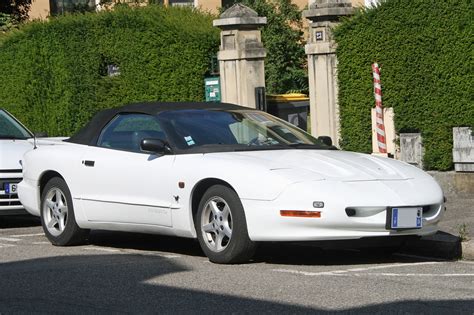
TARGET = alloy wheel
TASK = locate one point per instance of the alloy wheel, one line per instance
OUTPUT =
(216, 223)
(55, 211)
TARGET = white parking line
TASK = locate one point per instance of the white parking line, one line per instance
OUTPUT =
(412, 274)
(101, 249)
(396, 265)
(169, 256)
(306, 273)
(346, 271)
(6, 245)
(155, 254)
(339, 273)
(27, 235)
(133, 251)
(9, 239)
(41, 243)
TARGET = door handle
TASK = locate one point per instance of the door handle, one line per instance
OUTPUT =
(88, 163)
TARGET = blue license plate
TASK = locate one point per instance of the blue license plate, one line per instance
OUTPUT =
(10, 189)
(406, 218)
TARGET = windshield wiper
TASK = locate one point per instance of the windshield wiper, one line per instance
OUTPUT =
(311, 146)
(279, 146)
(209, 148)
(12, 138)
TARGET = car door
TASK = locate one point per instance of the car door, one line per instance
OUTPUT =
(122, 184)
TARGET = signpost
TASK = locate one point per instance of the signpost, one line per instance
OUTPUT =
(212, 87)
(382, 144)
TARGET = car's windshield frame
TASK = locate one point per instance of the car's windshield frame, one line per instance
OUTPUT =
(26, 134)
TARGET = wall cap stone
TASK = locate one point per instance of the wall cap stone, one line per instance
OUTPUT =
(238, 10)
(330, 14)
(243, 21)
(239, 15)
(330, 4)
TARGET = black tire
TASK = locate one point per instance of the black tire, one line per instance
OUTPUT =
(70, 233)
(238, 248)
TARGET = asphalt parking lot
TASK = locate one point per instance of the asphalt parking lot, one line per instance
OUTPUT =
(134, 273)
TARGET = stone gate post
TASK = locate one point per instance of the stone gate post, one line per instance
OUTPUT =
(241, 55)
(322, 65)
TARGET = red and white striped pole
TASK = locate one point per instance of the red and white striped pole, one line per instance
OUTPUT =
(381, 142)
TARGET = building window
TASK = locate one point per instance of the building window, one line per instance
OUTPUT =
(59, 7)
(181, 3)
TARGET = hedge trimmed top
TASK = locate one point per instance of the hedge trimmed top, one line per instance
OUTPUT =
(425, 49)
(55, 75)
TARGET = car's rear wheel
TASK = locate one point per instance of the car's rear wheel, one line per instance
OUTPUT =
(222, 228)
(57, 215)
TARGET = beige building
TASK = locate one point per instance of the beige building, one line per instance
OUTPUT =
(41, 9)
(213, 5)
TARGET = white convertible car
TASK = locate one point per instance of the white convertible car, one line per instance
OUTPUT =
(228, 175)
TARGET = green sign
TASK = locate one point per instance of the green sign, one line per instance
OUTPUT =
(212, 87)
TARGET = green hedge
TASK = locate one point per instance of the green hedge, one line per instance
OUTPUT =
(54, 74)
(425, 49)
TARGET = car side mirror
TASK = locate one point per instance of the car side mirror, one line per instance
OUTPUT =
(157, 146)
(41, 134)
(326, 140)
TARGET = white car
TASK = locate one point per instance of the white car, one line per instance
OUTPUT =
(227, 175)
(15, 140)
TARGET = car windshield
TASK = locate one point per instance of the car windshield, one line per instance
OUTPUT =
(233, 131)
(10, 128)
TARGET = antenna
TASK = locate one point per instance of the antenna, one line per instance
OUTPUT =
(34, 142)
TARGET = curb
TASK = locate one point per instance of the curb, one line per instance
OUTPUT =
(468, 250)
(440, 245)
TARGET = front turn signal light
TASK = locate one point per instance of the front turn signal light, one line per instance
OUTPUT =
(300, 214)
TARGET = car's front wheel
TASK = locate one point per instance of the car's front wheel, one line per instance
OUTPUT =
(222, 228)
(57, 215)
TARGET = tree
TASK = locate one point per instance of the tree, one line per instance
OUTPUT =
(12, 13)
(16, 9)
(6, 22)
(283, 38)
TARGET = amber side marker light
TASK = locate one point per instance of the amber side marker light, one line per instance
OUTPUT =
(300, 214)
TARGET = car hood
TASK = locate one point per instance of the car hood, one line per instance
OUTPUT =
(303, 165)
(11, 152)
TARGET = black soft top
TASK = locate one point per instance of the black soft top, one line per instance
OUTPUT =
(89, 133)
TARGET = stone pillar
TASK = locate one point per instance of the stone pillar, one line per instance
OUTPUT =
(463, 149)
(241, 55)
(322, 64)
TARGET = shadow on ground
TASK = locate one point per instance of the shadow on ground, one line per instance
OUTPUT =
(272, 253)
(17, 221)
(118, 284)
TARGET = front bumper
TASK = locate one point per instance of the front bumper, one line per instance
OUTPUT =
(372, 198)
(28, 192)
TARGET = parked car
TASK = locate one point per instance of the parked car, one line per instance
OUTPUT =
(225, 174)
(13, 144)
